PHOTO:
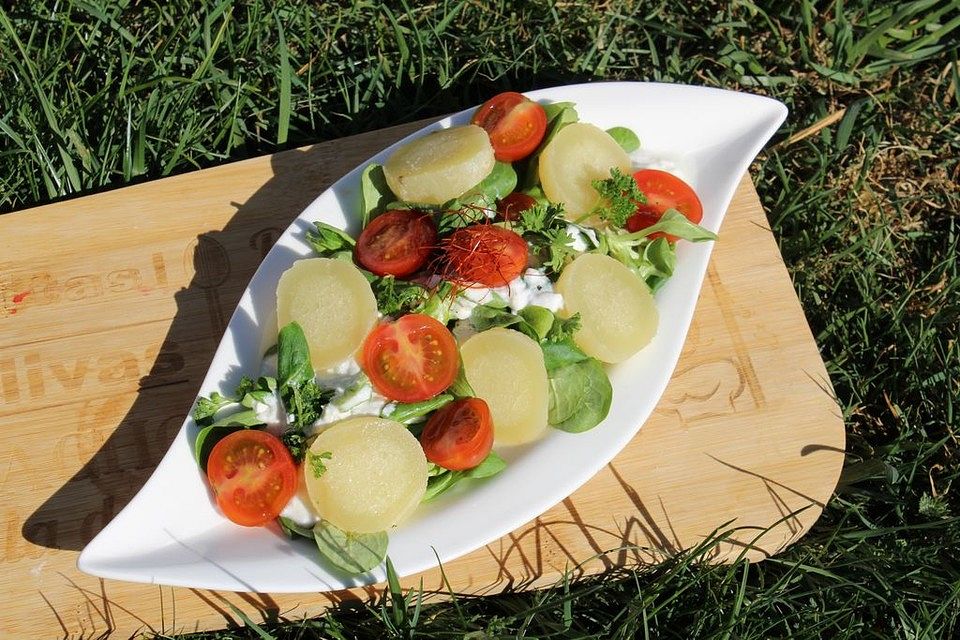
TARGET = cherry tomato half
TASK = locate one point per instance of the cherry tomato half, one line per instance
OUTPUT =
(397, 242)
(515, 124)
(253, 476)
(664, 191)
(411, 359)
(460, 435)
(511, 206)
(485, 254)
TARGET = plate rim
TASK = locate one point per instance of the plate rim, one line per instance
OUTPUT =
(87, 560)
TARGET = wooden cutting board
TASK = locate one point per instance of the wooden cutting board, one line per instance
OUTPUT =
(111, 307)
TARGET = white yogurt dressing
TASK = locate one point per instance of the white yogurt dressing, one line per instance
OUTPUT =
(531, 288)
(582, 238)
(358, 399)
(341, 376)
(300, 509)
(270, 410)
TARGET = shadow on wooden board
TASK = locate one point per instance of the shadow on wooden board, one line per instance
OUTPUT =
(223, 261)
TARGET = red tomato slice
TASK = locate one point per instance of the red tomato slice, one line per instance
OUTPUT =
(485, 254)
(253, 476)
(515, 124)
(511, 206)
(412, 359)
(397, 242)
(460, 435)
(664, 191)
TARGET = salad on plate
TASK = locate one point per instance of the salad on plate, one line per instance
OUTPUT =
(501, 266)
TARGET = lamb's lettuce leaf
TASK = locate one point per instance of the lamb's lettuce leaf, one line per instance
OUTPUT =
(350, 552)
(411, 412)
(302, 398)
(291, 528)
(651, 259)
(580, 395)
(375, 194)
(625, 137)
(330, 242)
(442, 480)
(501, 181)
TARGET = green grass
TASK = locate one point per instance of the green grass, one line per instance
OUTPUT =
(96, 95)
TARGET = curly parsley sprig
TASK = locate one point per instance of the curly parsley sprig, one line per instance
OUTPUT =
(545, 228)
(621, 195)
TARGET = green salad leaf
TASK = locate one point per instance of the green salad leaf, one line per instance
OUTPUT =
(350, 552)
(659, 258)
(457, 216)
(562, 329)
(330, 242)
(536, 322)
(411, 412)
(580, 391)
(375, 194)
(293, 360)
(397, 297)
(439, 303)
(252, 392)
(247, 392)
(625, 137)
(442, 480)
(539, 319)
(501, 181)
(302, 398)
(317, 461)
(580, 395)
(558, 250)
(676, 224)
(492, 315)
(560, 114)
(652, 260)
(208, 407)
(545, 229)
(310, 400)
(292, 529)
(540, 218)
(557, 355)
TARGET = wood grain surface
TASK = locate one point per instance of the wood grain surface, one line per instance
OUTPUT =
(111, 307)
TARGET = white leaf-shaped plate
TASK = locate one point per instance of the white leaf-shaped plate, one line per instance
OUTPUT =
(172, 534)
